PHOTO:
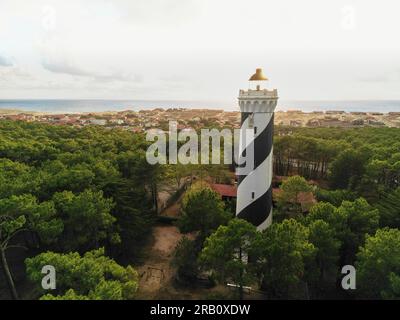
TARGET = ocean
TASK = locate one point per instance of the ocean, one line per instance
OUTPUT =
(74, 106)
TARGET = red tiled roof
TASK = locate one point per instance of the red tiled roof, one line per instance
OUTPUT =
(306, 199)
(225, 190)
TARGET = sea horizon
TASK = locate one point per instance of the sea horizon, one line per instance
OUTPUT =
(103, 105)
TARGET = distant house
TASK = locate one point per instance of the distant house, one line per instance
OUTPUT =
(15, 117)
(58, 118)
(358, 122)
(335, 112)
(295, 123)
(374, 122)
(99, 122)
(226, 191)
(294, 111)
(313, 123)
(376, 113)
(334, 122)
(117, 121)
(229, 192)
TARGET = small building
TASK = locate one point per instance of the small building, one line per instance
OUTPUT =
(374, 122)
(335, 112)
(358, 122)
(226, 191)
(313, 123)
(358, 113)
(229, 192)
(117, 121)
(99, 122)
(294, 111)
(295, 123)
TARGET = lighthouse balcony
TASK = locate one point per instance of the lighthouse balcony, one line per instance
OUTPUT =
(255, 101)
(262, 93)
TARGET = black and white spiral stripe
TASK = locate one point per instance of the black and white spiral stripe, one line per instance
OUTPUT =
(254, 194)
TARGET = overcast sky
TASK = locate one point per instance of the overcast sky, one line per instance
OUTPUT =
(198, 49)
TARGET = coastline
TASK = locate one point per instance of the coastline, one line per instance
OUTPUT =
(71, 106)
(159, 118)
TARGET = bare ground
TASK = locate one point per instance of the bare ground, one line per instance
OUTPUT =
(157, 272)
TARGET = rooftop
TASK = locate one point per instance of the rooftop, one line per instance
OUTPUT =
(224, 190)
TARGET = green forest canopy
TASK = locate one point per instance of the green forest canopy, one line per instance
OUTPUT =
(64, 189)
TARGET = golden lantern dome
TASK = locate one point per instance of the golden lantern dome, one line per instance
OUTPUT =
(258, 76)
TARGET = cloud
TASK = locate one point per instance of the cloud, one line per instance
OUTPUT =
(69, 68)
(64, 68)
(197, 48)
(5, 62)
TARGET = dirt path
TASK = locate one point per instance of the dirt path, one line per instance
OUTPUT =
(156, 275)
(157, 272)
(172, 211)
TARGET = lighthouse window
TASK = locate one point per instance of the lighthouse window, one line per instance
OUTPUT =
(251, 121)
(252, 195)
(255, 130)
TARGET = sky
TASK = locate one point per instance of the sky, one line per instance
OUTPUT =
(198, 49)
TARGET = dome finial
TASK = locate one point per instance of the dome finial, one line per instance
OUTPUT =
(258, 76)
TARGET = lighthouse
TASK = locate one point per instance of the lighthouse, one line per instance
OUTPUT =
(254, 169)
